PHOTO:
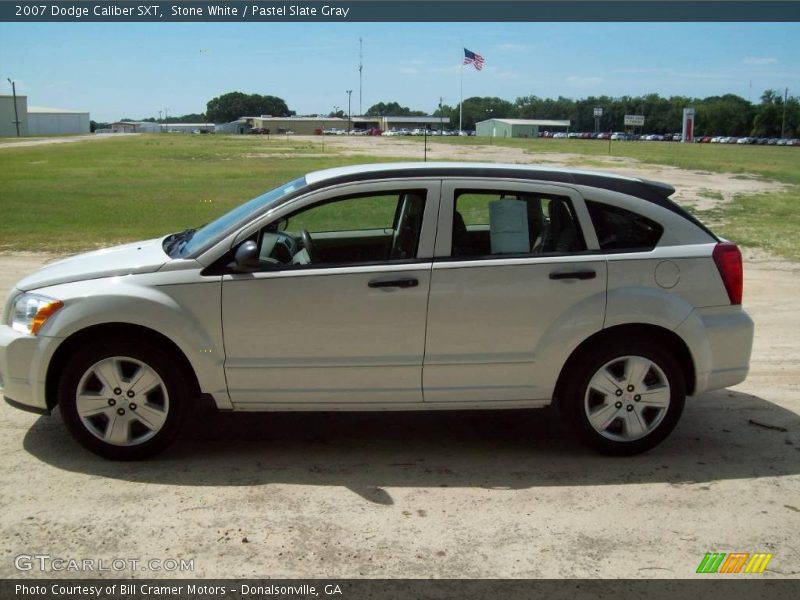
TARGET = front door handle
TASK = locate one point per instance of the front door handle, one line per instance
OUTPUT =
(406, 282)
(587, 274)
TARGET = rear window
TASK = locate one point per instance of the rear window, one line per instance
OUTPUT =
(620, 229)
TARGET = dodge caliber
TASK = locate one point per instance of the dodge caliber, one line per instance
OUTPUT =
(391, 287)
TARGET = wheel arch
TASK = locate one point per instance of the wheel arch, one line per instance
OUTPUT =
(60, 357)
(644, 331)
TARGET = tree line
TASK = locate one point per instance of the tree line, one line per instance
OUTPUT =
(715, 115)
(729, 114)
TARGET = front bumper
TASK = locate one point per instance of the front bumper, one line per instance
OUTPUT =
(23, 368)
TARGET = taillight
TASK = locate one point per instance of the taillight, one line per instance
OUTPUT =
(729, 264)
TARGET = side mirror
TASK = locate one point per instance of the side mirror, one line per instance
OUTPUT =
(246, 257)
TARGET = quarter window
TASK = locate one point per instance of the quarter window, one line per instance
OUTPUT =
(491, 223)
(620, 229)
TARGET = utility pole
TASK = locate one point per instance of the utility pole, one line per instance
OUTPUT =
(360, 68)
(14, 93)
(349, 115)
(441, 116)
(783, 120)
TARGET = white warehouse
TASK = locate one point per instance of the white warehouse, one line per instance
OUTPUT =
(54, 121)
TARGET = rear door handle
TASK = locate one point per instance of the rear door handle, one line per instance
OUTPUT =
(406, 282)
(588, 274)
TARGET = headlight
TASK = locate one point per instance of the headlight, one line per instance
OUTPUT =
(30, 312)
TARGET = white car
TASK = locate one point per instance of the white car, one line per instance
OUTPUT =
(410, 286)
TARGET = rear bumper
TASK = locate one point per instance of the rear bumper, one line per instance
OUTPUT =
(22, 369)
(721, 341)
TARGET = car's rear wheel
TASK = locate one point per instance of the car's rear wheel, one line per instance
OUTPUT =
(624, 398)
(123, 399)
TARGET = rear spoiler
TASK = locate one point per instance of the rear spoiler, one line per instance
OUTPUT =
(663, 189)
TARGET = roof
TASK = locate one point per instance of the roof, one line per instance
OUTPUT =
(538, 122)
(301, 119)
(50, 110)
(420, 119)
(375, 170)
(651, 191)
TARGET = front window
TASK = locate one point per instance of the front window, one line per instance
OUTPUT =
(196, 240)
(353, 229)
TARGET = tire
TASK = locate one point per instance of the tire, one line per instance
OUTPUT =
(623, 397)
(123, 399)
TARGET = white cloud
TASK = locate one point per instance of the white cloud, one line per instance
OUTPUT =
(584, 81)
(455, 68)
(505, 75)
(409, 70)
(760, 60)
(509, 47)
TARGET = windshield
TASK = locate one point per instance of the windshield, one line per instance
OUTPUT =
(191, 241)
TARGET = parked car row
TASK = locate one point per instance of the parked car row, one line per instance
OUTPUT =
(421, 132)
(760, 141)
(610, 135)
(670, 137)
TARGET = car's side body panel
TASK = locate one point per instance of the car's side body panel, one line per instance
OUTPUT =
(502, 331)
(324, 336)
(181, 305)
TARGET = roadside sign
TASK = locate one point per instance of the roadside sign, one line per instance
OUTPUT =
(688, 125)
(598, 112)
(634, 120)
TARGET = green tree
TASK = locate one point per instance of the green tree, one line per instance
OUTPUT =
(234, 105)
(392, 109)
(724, 115)
(480, 108)
(769, 115)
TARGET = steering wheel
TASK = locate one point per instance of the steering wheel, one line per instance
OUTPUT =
(307, 244)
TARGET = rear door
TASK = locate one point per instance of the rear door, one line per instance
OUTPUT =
(517, 283)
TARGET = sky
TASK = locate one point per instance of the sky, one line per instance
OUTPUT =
(119, 70)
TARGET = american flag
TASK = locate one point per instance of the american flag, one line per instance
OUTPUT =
(471, 58)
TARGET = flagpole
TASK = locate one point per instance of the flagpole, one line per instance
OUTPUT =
(461, 101)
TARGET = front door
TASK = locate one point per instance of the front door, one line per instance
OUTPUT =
(336, 316)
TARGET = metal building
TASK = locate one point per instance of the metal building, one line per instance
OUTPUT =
(57, 121)
(7, 119)
(518, 128)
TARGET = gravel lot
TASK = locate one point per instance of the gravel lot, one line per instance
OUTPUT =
(482, 494)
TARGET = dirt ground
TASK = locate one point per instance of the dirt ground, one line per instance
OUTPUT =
(487, 494)
(694, 188)
(65, 139)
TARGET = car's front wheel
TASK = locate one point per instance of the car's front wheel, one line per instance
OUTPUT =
(123, 399)
(624, 398)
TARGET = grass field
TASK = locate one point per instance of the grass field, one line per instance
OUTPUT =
(779, 163)
(74, 196)
(70, 197)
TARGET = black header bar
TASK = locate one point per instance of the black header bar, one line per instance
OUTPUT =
(406, 11)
